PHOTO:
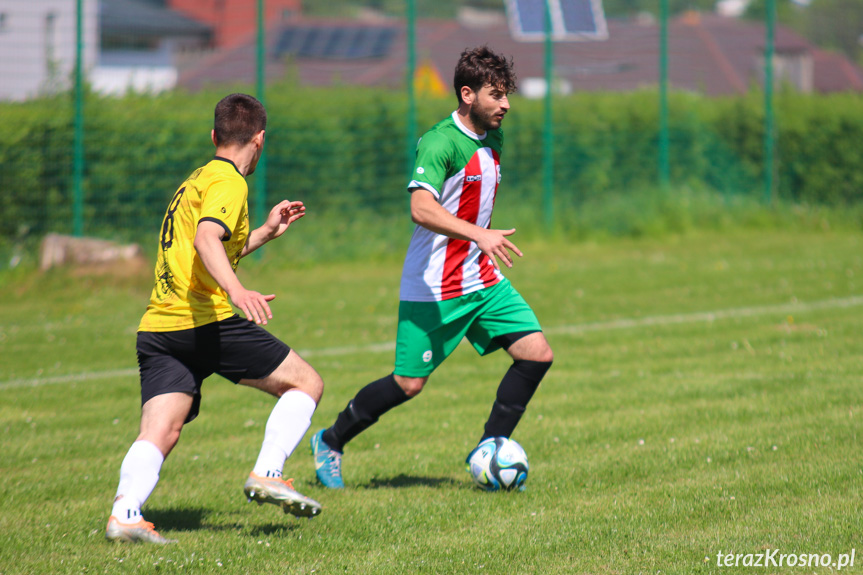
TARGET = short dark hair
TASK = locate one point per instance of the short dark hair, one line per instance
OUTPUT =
(238, 118)
(480, 66)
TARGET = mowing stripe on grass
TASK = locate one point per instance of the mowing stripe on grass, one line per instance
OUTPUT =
(86, 376)
(706, 316)
(630, 323)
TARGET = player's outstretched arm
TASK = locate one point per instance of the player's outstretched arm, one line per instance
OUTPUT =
(428, 213)
(278, 221)
(208, 245)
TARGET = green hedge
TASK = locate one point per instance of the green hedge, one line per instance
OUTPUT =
(346, 151)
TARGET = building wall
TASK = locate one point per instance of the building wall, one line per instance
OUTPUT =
(235, 21)
(37, 45)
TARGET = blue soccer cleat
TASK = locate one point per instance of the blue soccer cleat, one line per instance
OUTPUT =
(328, 462)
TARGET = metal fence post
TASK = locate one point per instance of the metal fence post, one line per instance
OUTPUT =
(261, 170)
(548, 129)
(768, 102)
(78, 152)
(664, 163)
(411, 119)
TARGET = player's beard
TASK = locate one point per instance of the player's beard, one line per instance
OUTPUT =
(484, 119)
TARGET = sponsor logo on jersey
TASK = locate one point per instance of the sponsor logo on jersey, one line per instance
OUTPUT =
(427, 356)
(421, 170)
(476, 178)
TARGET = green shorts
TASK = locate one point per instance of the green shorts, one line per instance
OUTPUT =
(429, 332)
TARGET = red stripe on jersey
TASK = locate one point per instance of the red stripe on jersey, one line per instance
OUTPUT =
(457, 250)
(486, 271)
(486, 268)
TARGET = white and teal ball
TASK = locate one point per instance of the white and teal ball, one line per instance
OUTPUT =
(499, 463)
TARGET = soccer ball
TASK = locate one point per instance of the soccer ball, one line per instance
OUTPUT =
(498, 463)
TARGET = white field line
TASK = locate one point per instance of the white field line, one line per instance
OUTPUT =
(626, 323)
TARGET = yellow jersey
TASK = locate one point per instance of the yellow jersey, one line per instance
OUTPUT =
(185, 295)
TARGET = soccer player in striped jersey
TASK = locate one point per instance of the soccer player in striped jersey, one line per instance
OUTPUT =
(190, 330)
(452, 286)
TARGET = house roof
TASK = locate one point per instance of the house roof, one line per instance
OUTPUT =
(708, 53)
(835, 73)
(718, 55)
(146, 18)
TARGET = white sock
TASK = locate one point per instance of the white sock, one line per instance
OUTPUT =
(288, 423)
(139, 474)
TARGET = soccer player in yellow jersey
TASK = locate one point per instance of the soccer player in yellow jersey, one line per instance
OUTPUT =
(190, 331)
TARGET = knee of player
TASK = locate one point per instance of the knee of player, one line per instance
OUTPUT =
(317, 384)
(164, 438)
(312, 385)
(544, 355)
(172, 438)
(301, 377)
(411, 385)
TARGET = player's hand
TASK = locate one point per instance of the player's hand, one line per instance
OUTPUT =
(283, 215)
(254, 305)
(495, 245)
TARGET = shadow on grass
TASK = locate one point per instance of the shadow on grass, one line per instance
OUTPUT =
(178, 519)
(275, 528)
(403, 480)
(190, 519)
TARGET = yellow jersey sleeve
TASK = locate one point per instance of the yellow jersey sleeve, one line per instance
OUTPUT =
(221, 203)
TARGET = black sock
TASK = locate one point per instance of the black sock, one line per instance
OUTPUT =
(363, 411)
(516, 388)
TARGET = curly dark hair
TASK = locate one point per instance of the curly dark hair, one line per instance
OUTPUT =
(480, 66)
(238, 118)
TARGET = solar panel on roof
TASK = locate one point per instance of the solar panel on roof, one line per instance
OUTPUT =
(531, 15)
(570, 20)
(335, 42)
(578, 16)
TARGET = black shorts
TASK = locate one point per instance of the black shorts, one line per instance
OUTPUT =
(179, 361)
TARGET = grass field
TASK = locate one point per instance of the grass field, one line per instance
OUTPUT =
(706, 398)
